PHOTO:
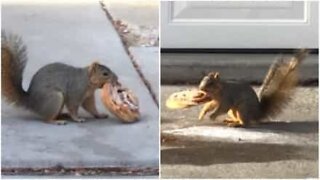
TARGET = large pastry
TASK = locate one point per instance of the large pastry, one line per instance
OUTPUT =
(121, 102)
(185, 99)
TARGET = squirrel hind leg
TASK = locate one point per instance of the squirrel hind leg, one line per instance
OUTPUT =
(73, 111)
(233, 119)
(230, 117)
(62, 116)
(50, 106)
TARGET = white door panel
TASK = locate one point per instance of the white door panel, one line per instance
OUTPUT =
(234, 24)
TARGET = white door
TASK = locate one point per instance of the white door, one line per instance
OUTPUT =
(234, 24)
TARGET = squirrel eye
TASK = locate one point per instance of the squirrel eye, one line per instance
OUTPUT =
(105, 74)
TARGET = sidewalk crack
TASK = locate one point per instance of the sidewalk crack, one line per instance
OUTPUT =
(133, 61)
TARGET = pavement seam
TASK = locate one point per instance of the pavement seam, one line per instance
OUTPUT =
(133, 61)
(82, 171)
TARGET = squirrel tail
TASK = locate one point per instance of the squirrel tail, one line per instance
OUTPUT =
(277, 88)
(13, 62)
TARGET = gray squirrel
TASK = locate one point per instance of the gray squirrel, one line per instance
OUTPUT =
(53, 86)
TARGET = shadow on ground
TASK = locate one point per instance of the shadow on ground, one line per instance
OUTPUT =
(203, 153)
(292, 127)
(308, 126)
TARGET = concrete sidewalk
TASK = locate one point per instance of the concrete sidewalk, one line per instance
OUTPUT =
(286, 147)
(148, 63)
(136, 21)
(75, 33)
(137, 12)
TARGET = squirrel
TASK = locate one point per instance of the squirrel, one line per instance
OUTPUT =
(243, 106)
(53, 86)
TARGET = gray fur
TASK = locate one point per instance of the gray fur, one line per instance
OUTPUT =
(54, 85)
(71, 82)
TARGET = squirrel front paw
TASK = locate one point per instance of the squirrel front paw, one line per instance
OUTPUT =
(234, 124)
(58, 122)
(79, 120)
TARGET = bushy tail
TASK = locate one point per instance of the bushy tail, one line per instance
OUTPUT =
(13, 61)
(282, 77)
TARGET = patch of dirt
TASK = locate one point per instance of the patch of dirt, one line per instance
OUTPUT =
(131, 34)
(134, 35)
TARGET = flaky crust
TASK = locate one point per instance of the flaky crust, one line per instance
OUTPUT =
(121, 102)
(185, 98)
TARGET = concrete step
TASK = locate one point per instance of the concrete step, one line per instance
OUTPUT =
(190, 68)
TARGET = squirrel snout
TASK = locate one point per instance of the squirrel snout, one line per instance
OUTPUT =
(114, 78)
(203, 83)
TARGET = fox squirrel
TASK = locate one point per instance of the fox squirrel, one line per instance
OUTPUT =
(242, 105)
(53, 86)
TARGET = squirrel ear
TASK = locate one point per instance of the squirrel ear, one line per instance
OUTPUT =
(216, 75)
(93, 66)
